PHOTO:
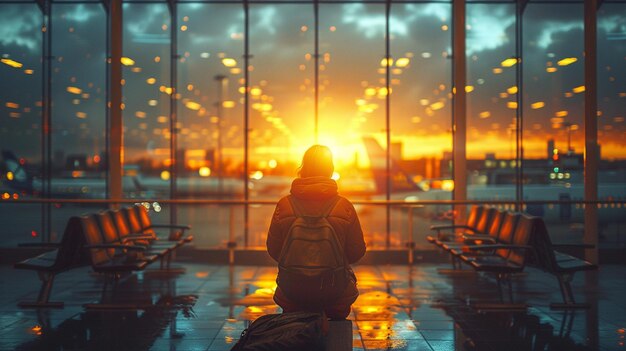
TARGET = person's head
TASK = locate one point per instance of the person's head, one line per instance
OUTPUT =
(317, 162)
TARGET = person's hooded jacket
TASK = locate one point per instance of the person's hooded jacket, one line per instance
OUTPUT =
(313, 195)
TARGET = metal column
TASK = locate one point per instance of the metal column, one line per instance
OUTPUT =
(45, 7)
(519, 111)
(175, 164)
(115, 123)
(459, 107)
(387, 122)
(246, 121)
(591, 130)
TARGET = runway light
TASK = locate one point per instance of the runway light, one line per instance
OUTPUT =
(469, 88)
(204, 171)
(229, 104)
(537, 105)
(551, 69)
(165, 175)
(447, 185)
(256, 175)
(12, 105)
(127, 61)
(484, 114)
(579, 89)
(386, 62)
(229, 62)
(402, 62)
(74, 90)
(437, 106)
(150, 80)
(510, 62)
(193, 105)
(11, 63)
(567, 61)
(561, 114)
(512, 105)
(9, 175)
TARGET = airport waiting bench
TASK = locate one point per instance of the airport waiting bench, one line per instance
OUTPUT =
(511, 242)
(112, 242)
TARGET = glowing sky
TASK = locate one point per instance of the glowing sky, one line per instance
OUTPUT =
(351, 102)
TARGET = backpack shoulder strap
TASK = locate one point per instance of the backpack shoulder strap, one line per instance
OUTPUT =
(297, 211)
(331, 206)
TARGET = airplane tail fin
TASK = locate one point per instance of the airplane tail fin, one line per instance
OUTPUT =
(17, 176)
(399, 179)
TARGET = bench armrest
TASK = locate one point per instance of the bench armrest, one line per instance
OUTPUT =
(580, 246)
(172, 226)
(448, 226)
(116, 246)
(41, 245)
(477, 236)
(497, 247)
(133, 237)
(476, 241)
(439, 228)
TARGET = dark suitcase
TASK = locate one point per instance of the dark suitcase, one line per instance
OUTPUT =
(299, 331)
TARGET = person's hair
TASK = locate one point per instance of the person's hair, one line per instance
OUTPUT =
(317, 162)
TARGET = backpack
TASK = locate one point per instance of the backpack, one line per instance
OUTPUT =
(312, 269)
(300, 331)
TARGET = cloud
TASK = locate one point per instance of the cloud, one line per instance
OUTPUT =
(21, 25)
(488, 26)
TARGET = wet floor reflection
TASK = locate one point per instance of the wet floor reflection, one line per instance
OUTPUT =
(112, 330)
(399, 308)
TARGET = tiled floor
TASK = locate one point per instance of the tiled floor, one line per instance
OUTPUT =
(400, 308)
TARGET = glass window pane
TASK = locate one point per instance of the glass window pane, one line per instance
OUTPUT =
(352, 95)
(78, 107)
(210, 113)
(146, 97)
(20, 121)
(421, 108)
(491, 102)
(553, 114)
(611, 124)
(282, 83)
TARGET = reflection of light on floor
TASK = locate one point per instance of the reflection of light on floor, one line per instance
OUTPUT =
(202, 274)
(261, 301)
(376, 317)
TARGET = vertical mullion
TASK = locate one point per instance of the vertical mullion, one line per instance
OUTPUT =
(46, 129)
(519, 81)
(459, 72)
(317, 58)
(174, 166)
(591, 131)
(246, 119)
(116, 139)
(387, 121)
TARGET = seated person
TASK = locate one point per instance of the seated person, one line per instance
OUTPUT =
(314, 197)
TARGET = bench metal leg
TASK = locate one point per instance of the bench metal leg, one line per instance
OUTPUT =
(568, 294)
(502, 279)
(47, 279)
(165, 268)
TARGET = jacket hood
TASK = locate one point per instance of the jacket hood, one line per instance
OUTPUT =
(314, 188)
